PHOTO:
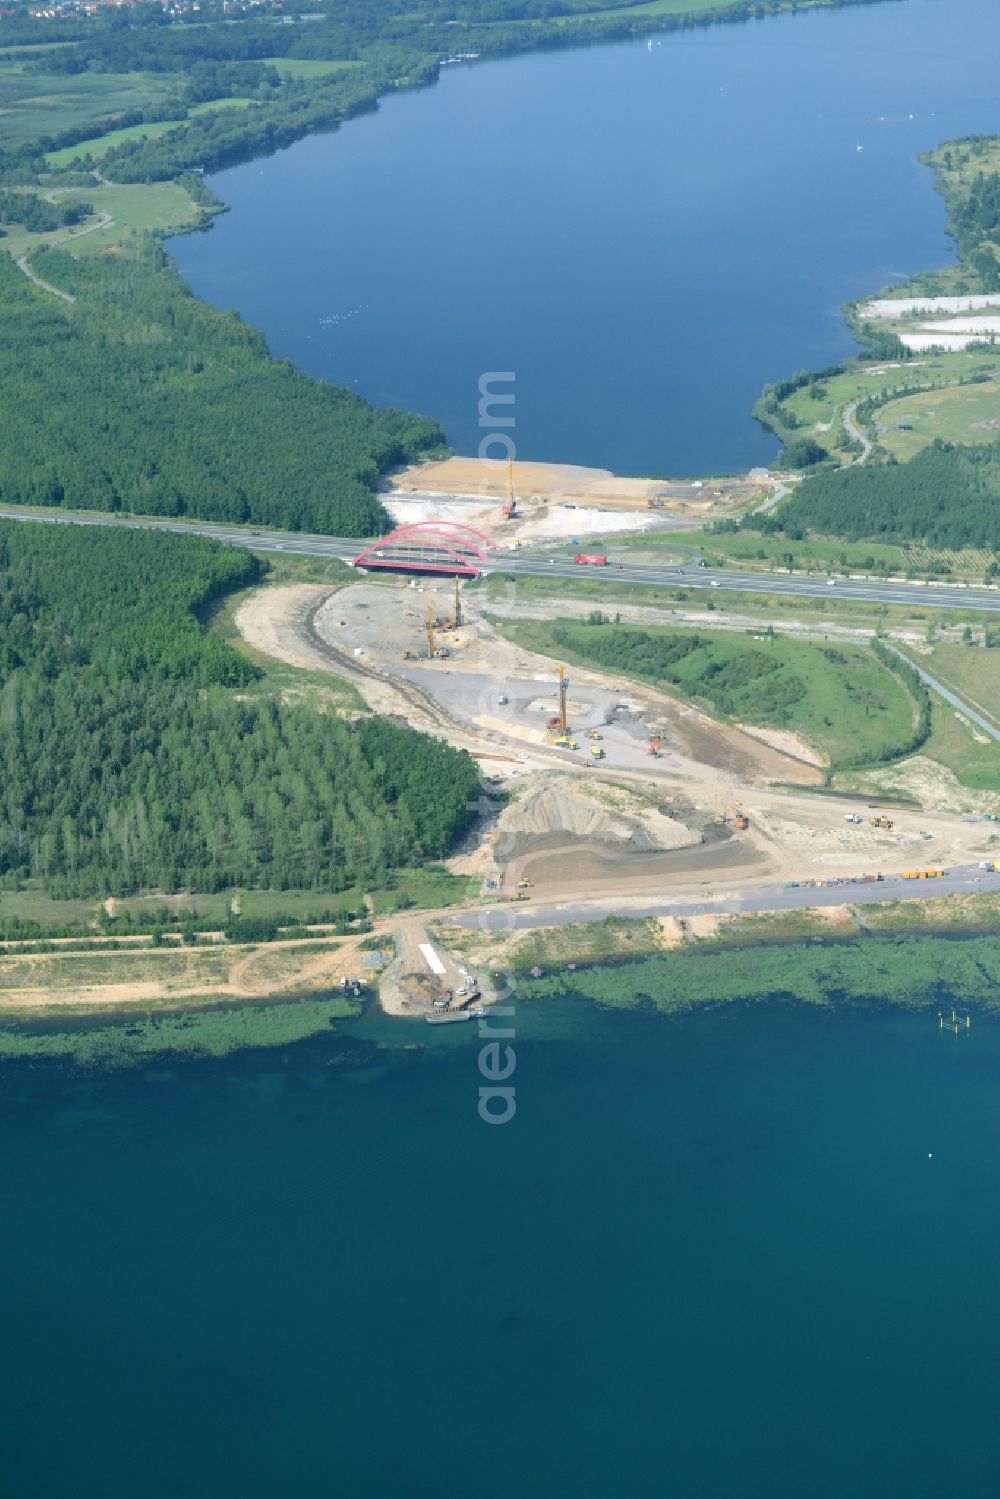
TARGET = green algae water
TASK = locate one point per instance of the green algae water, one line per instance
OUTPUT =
(747, 1252)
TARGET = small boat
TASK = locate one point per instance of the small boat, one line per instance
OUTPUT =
(448, 1017)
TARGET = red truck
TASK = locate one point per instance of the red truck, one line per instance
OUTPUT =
(593, 558)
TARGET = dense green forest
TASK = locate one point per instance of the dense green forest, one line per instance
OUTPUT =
(945, 496)
(973, 194)
(139, 397)
(38, 215)
(128, 760)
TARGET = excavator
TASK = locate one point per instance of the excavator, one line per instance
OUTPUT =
(735, 813)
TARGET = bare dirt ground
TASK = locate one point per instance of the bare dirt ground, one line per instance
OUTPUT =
(165, 976)
(787, 742)
(409, 985)
(562, 485)
(583, 827)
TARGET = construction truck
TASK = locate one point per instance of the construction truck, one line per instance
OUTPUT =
(597, 752)
(594, 735)
(885, 823)
(525, 884)
(653, 747)
(736, 814)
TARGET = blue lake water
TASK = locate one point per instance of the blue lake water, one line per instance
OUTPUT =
(746, 1255)
(644, 236)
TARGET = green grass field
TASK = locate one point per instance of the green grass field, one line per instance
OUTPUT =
(154, 207)
(849, 703)
(34, 104)
(828, 555)
(966, 414)
(757, 552)
(307, 67)
(821, 418)
(651, 10)
(408, 888)
(971, 671)
(963, 749)
(99, 145)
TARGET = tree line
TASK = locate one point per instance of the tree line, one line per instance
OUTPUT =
(946, 496)
(138, 397)
(128, 761)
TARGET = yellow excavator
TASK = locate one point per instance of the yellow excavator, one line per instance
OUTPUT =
(734, 813)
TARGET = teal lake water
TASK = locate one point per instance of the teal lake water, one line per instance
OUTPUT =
(744, 1255)
(749, 1254)
(644, 237)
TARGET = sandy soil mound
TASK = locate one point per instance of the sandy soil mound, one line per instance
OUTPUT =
(598, 813)
(936, 787)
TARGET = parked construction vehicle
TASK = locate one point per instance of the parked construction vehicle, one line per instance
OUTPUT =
(886, 823)
(525, 884)
(597, 752)
(653, 747)
(923, 874)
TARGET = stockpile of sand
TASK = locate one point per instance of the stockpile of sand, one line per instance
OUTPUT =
(561, 806)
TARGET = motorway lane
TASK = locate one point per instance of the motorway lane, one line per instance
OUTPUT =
(687, 575)
(965, 880)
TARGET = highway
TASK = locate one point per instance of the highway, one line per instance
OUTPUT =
(560, 564)
(967, 880)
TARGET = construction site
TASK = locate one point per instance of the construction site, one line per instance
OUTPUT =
(595, 789)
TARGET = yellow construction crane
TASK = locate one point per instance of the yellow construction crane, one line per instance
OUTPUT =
(430, 631)
(457, 616)
(563, 706)
(510, 507)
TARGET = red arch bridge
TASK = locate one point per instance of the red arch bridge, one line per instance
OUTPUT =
(429, 546)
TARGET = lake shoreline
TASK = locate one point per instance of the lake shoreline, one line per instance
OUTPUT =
(829, 971)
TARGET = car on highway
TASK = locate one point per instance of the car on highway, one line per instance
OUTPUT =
(831, 582)
(713, 583)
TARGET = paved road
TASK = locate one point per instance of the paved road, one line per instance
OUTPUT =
(561, 565)
(22, 265)
(855, 433)
(966, 880)
(950, 697)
